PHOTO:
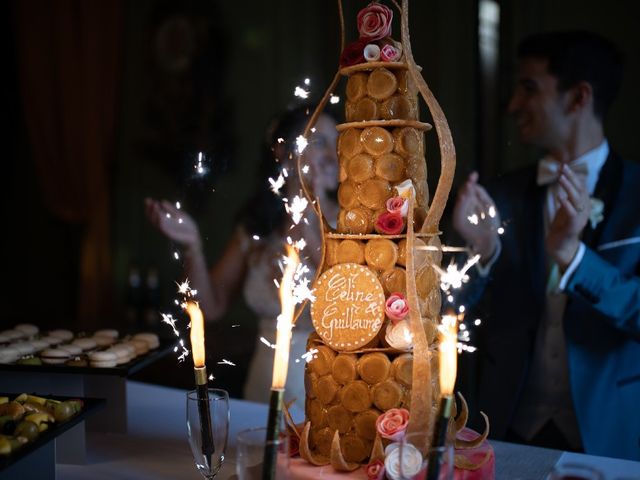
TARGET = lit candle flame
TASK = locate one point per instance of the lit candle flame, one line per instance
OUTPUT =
(448, 354)
(197, 334)
(285, 320)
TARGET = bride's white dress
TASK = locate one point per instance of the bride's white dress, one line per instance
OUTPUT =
(261, 295)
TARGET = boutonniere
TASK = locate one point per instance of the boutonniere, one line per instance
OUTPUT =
(597, 212)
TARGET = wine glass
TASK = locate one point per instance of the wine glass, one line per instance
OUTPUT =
(208, 458)
(251, 445)
(406, 461)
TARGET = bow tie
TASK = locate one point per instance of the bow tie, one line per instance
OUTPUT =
(549, 170)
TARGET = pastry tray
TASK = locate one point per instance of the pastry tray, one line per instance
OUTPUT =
(124, 370)
(91, 405)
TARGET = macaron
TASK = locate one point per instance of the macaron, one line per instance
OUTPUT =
(25, 348)
(51, 340)
(74, 350)
(54, 356)
(28, 329)
(104, 359)
(85, 343)
(13, 334)
(151, 339)
(124, 353)
(8, 354)
(39, 344)
(77, 362)
(141, 346)
(107, 332)
(65, 335)
(4, 339)
(103, 340)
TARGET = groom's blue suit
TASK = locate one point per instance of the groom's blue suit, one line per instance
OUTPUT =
(601, 319)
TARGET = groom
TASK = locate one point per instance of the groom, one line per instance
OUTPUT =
(558, 359)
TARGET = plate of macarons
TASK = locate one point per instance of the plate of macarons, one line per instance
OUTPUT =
(26, 347)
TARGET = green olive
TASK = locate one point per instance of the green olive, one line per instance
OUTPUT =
(76, 404)
(27, 429)
(63, 411)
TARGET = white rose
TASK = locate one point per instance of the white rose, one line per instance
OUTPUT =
(399, 336)
(411, 461)
(406, 190)
(372, 52)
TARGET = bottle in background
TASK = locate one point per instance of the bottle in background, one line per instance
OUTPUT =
(152, 300)
(134, 299)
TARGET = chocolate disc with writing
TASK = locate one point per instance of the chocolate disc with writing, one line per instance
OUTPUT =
(349, 307)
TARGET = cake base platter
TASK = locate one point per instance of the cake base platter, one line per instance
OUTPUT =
(482, 458)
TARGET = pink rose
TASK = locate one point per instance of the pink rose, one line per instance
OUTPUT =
(393, 423)
(396, 307)
(398, 205)
(375, 470)
(353, 53)
(389, 53)
(389, 223)
(374, 21)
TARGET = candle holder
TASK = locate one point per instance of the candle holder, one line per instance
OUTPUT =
(439, 437)
(204, 411)
(406, 461)
(274, 424)
(208, 459)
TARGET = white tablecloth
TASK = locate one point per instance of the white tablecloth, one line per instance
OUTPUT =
(156, 447)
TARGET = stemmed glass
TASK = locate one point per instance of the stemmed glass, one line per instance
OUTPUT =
(251, 446)
(219, 409)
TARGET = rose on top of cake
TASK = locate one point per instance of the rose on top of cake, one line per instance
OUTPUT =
(375, 43)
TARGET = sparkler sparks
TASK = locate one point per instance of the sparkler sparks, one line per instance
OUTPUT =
(452, 278)
(333, 99)
(267, 342)
(169, 320)
(185, 289)
(296, 207)
(301, 92)
(277, 184)
(224, 361)
(199, 167)
(301, 143)
(308, 356)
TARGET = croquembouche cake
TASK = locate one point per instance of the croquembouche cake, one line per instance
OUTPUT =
(377, 304)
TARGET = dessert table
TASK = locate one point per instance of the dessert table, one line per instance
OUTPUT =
(156, 446)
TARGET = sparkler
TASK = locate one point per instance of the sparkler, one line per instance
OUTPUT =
(280, 363)
(448, 370)
(200, 371)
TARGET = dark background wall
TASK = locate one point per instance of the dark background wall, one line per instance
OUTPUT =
(207, 75)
